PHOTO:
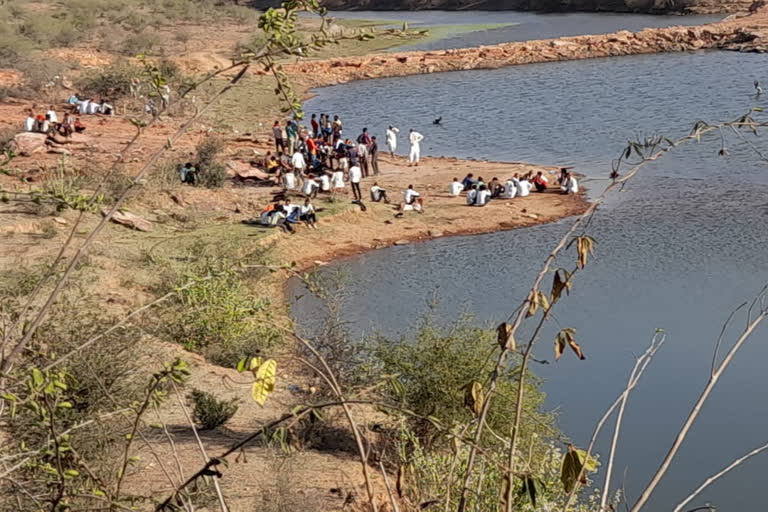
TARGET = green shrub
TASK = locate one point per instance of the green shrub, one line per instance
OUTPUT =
(211, 172)
(210, 412)
(111, 82)
(141, 42)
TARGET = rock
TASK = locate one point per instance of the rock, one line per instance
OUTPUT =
(60, 220)
(434, 233)
(320, 263)
(129, 219)
(402, 242)
(28, 143)
(58, 151)
(532, 216)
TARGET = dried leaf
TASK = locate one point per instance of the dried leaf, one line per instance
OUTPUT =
(561, 283)
(541, 298)
(504, 336)
(400, 480)
(584, 246)
(473, 397)
(570, 469)
(567, 337)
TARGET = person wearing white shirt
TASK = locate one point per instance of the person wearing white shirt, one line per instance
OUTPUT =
(523, 187)
(93, 107)
(337, 180)
(472, 196)
(298, 162)
(52, 117)
(510, 189)
(378, 194)
(325, 182)
(362, 153)
(310, 187)
(392, 140)
(307, 214)
(415, 139)
(483, 196)
(412, 200)
(30, 122)
(456, 187)
(289, 180)
(570, 185)
(82, 107)
(355, 175)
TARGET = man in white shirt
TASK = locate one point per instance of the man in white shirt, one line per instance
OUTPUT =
(325, 182)
(392, 140)
(289, 180)
(472, 196)
(510, 189)
(355, 175)
(415, 139)
(362, 153)
(570, 185)
(93, 107)
(30, 122)
(298, 162)
(411, 201)
(52, 117)
(310, 187)
(379, 194)
(456, 187)
(483, 196)
(523, 187)
(82, 107)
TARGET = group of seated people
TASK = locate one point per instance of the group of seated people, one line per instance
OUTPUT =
(286, 214)
(49, 123)
(88, 106)
(480, 193)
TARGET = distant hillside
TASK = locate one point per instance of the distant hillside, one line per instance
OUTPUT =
(639, 6)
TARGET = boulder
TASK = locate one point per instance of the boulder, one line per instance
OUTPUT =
(129, 219)
(28, 143)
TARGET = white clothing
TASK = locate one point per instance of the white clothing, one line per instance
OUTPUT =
(523, 188)
(362, 150)
(510, 190)
(392, 139)
(309, 187)
(52, 116)
(410, 195)
(415, 138)
(44, 127)
(483, 196)
(29, 124)
(289, 181)
(456, 188)
(376, 192)
(298, 161)
(307, 209)
(82, 107)
(93, 108)
(290, 208)
(344, 163)
(355, 174)
(325, 183)
(337, 181)
(570, 186)
(471, 196)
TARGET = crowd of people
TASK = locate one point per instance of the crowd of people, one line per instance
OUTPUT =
(320, 159)
(88, 106)
(49, 123)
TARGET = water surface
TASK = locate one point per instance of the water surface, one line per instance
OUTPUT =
(678, 249)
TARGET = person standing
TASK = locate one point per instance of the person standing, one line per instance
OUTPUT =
(362, 152)
(291, 132)
(355, 175)
(277, 133)
(315, 126)
(392, 140)
(374, 155)
(415, 139)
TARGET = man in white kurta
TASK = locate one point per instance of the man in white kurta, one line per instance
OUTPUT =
(392, 140)
(415, 139)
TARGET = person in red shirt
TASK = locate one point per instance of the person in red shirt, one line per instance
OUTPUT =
(315, 127)
(540, 182)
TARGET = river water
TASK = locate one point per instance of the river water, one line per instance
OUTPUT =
(458, 29)
(682, 246)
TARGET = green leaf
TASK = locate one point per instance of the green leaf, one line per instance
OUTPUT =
(64, 405)
(71, 473)
(265, 381)
(570, 469)
(37, 377)
(241, 364)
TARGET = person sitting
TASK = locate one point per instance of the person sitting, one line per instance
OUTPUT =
(510, 189)
(523, 186)
(45, 125)
(188, 173)
(93, 108)
(30, 123)
(82, 106)
(105, 108)
(39, 123)
(307, 214)
(66, 127)
(52, 117)
(456, 187)
(79, 127)
(570, 185)
(289, 180)
(74, 99)
(563, 175)
(412, 200)
(540, 182)
(292, 213)
(378, 194)
(325, 182)
(472, 195)
(495, 188)
(272, 164)
(468, 181)
(483, 196)
(310, 187)
(479, 182)
(337, 181)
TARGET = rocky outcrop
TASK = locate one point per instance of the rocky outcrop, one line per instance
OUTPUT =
(637, 6)
(733, 36)
(28, 143)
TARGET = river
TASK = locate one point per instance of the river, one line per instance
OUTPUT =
(681, 247)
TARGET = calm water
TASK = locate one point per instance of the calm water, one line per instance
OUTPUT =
(682, 246)
(522, 26)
